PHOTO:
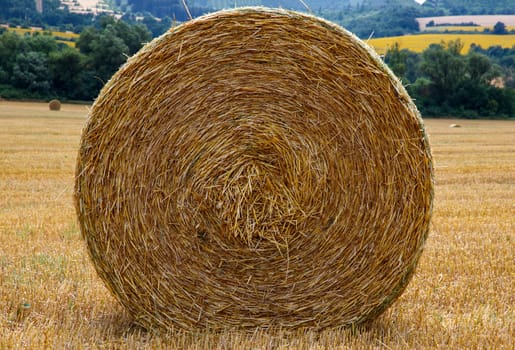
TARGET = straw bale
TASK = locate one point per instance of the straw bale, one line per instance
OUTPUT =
(254, 168)
(54, 105)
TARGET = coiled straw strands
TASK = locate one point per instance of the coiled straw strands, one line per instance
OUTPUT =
(254, 168)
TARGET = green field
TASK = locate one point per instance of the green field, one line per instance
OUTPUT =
(461, 297)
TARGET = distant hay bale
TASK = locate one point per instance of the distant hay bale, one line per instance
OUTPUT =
(254, 168)
(54, 105)
(455, 126)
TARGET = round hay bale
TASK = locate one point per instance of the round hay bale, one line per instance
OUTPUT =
(254, 168)
(54, 105)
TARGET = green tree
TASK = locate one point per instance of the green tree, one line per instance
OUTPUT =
(157, 27)
(412, 66)
(30, 72)
(404, 63)
(106, 48)
(109, 53)
(44, 43)
(478, 66)
(85, 41)
(389, 22)
(10, 45)
(499, 28)
(444, 67)
(133, 36)
(458, 85)
(66, 68)
(454, 46)
(396, 59)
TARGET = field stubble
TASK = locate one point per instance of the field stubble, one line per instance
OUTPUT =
(462, 295)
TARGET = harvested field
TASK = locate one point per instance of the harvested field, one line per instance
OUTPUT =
(462, 295)
(482, 20)
(467, 29)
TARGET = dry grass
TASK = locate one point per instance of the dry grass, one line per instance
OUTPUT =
(286, 193)
(54, 105)
(462, 295)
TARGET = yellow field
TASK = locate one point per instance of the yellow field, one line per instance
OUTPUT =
(63, 37)
(420, 42)
(23, 31)
(462, 295)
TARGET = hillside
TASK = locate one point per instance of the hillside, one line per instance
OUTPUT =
(314, 5)
(24, 13)
(443, 7)
(160, 7)
(382, 17)
(379, 18)
(471, 7)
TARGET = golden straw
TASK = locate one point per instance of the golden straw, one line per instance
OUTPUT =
(254, 168)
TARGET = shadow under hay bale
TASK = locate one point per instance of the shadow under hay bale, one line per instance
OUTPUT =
(54, 105)
(254, 168)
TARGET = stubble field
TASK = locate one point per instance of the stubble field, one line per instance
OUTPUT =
(462, 295)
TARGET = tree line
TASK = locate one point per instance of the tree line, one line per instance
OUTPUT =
(469, 7)
(441, 80)
(444, 82)
(38, 67)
